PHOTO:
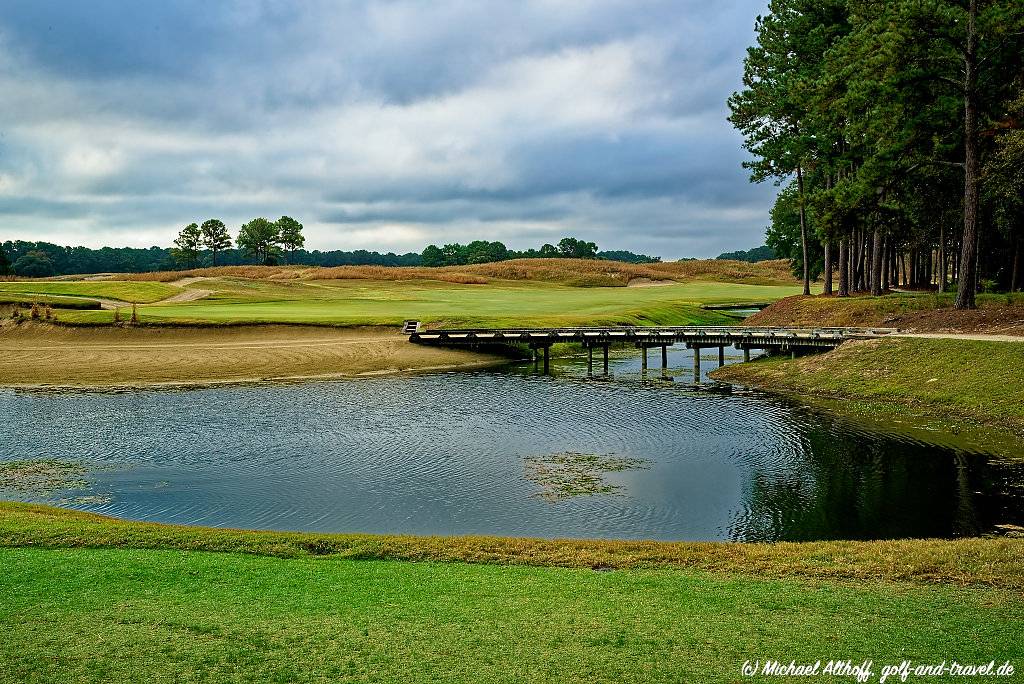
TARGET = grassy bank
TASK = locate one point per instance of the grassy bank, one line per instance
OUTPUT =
(122, 291)
(995, 562)
(949, 381)
(128, 605)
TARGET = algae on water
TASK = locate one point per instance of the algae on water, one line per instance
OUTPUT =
(42, 476)
(567, 474)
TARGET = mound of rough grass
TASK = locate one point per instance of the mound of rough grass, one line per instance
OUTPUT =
(909, 311)
(773, 272)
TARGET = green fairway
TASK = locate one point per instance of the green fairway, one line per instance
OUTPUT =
(119, 290)
(129, 615)
(500, 303)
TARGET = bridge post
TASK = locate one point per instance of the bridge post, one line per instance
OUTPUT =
(547, 360)
(792, 353)
(721, 356)
(643, 364)
(664, 357)
(590, 360)
(606, 358)
(696, 363)
(746, 354)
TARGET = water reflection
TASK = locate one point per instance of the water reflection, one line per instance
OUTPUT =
(445, 454)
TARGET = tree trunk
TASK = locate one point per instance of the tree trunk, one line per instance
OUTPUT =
(803, 228)
(885, 265)
(968, 263)
(876, 264)
(844, 266)
(827, 289)
(942, 258)
(1015, 273)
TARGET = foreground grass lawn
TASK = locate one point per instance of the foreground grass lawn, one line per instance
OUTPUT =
(134, 615)
(496, 304)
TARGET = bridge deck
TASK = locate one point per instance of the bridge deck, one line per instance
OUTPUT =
(710, 336)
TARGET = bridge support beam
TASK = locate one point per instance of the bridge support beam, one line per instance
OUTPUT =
(547, 359)
(590, 360)
(746, 354)
(696, 363)
(664, 358)
(606, 359)
(721, 356)
(643, 363)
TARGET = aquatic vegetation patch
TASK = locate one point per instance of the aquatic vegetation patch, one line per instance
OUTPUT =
(42, 476)
(568, 474)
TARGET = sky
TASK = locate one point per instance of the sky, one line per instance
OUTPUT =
(381, 125)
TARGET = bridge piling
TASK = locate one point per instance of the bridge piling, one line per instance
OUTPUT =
(721, 356)
(664, 358)
(746, 354)
(696, 363)
(606, 359)
(590, 360)
(547, 359)
(643, 364)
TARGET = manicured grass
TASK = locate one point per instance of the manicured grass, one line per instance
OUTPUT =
(950, 379)
(500, 303)
(124, 615)
(119, 290)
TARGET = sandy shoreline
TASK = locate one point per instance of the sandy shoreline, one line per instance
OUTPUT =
(48, 357)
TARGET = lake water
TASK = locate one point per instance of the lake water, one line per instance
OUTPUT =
(449, 453)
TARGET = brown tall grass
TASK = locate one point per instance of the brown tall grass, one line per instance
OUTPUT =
(575, 272)
(774, 272)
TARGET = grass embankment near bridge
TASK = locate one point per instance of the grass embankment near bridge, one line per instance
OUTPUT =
(91, 598)
(951, 384)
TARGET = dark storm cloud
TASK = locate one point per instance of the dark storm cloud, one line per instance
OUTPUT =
(398, 122)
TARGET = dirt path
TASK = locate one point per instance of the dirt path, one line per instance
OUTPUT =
(189, 295)
(981, 337)
(37, 354)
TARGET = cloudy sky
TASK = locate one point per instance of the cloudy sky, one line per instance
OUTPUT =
(381, 124)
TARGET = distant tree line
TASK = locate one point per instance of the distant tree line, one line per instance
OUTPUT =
(263, 241)
(762, 253)
(44, 259)
(482, 252)
(897, 129)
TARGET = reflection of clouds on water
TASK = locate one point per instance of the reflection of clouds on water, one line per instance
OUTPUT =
(443, 454)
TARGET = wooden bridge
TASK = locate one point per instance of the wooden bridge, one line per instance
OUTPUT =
(786, 340)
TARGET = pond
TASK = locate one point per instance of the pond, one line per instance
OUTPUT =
(477, 453)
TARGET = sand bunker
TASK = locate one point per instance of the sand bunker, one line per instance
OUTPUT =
(33, 354)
